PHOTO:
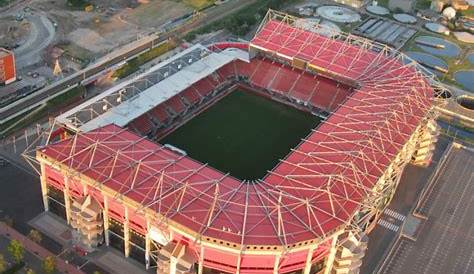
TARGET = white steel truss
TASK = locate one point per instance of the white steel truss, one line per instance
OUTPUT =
(342, 182)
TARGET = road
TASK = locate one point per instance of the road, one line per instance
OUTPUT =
(41, 35)
(25, 104)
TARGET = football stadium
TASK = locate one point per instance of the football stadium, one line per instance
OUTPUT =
(275, 155)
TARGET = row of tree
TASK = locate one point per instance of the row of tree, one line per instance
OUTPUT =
(242, 20)
(17, 251)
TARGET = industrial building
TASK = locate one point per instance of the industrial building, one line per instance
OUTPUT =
(104, 170)
(7, 67)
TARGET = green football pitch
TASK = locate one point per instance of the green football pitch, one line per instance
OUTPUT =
(243, 134)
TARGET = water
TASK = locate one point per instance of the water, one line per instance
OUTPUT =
(429, 60)
(465, 78)
(470, 57)
(449, 50)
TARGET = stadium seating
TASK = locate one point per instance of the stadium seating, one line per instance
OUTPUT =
(204, 87)
(283, 83)
(245, 69)
(265, 71)
(176, 104)
(227, 71)
(293, 84)
(342, 93)
(142, 124)
(304, 87)
(191, 95)
(159, 113)
(318, 91)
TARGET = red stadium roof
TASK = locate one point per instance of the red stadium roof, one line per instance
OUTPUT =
(316, 189)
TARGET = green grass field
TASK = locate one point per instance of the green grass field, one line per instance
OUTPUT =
(243, 134)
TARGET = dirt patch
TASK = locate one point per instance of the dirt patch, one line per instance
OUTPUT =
(111, 23)
(90, 40)
(156, 13)
(12, 32)
(199, 4)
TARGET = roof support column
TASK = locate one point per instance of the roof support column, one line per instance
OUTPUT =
(309, 257)
(44, 188)
(147, 244)
(276, 264)
(426, 144)
(239, 261)
(331, 255)
(67, 200)
(201, 260)
(105, 215)
(173, 264)
(126, 234)
(176, 255)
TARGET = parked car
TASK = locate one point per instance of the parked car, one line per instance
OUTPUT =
(3, 162)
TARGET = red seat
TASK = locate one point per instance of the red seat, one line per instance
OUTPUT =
(142, 124)
(284, 80)
(175, 103)
(227, 70)
(160, 113)
(191, 95)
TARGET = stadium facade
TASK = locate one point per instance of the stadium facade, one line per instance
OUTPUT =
(104, 172)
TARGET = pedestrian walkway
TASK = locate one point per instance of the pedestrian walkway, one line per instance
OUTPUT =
(394, 214)
(114, 262)
(36, 249)
(388, 225)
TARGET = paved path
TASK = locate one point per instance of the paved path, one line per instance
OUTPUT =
(41, 35)
(36, 249)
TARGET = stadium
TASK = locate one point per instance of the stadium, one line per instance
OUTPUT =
(272, 156)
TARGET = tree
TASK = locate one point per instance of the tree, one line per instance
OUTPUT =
(49, 265)
(8, 220)
(16, 250)
(35, 236)
(3, 263)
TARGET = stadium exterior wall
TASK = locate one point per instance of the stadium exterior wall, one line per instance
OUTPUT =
(183, 250)
(215, 253)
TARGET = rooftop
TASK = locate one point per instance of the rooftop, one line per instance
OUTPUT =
(312, 192)
(4, 52)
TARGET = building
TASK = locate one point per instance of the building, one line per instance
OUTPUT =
(439, 5)
(460, 4)
(352, 3)
(7, 67)
(104, 173)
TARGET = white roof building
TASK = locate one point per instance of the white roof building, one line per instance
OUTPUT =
(130, 99)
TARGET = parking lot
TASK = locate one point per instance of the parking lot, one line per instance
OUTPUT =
(446, 239)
